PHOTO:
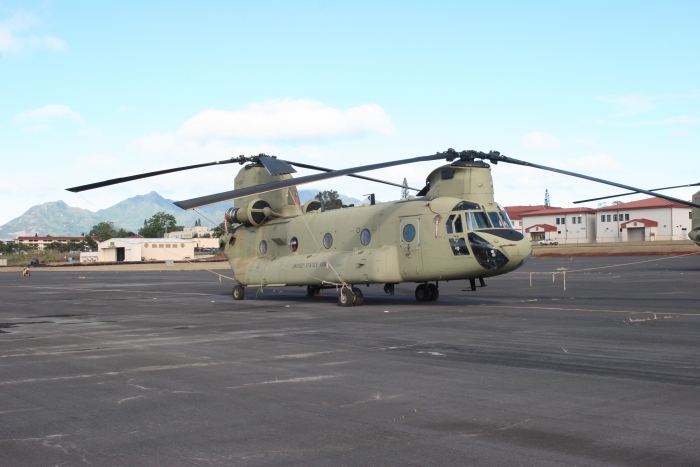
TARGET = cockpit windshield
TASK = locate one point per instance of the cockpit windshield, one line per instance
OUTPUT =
(477, 220)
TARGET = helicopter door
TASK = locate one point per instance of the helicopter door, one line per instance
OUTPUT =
(411, 261)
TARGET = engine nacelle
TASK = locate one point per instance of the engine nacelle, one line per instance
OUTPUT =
(252, 214)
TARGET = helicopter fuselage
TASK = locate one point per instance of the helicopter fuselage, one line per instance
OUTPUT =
(431, 238)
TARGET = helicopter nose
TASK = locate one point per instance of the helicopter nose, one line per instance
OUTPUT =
(499, 252)
(694, 235)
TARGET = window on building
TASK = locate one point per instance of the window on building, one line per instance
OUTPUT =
(608, 218)
(557, 221)
(563, 220)
(602, 218)
(615, 217)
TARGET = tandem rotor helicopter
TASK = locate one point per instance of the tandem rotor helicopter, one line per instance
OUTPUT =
(452, 229)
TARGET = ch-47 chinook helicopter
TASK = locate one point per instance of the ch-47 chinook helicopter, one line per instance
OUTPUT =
(451, 230)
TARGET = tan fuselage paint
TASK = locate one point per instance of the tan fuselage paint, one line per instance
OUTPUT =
(388, 258)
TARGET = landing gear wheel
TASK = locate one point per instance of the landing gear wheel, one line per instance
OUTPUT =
(422, 293)
(434, 292)
(345, 297)
(238, 292)
(358, 299)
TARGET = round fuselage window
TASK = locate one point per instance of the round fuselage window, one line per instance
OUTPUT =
(293, 244)
(328, 240)
(365, 237)
(263, 247)
(409, 232)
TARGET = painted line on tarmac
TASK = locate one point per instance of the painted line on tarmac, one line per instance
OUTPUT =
(586, 310)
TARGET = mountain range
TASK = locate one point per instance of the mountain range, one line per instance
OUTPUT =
(57, 218)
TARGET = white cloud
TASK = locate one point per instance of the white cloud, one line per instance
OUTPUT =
(54, 43)
(633, 104)
(51, 112)
(679, 134)
(288, 119)
(540, 140)
(16, 39)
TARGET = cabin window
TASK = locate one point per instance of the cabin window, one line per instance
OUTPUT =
(328, 240)
(263, 247)
(293, 244)
(409, 233)
(466, 206)
(459, 246)
(365, 237)
(496, 220)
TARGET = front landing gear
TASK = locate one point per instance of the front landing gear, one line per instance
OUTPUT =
(427, 292)
(350, 297)
(238, 292)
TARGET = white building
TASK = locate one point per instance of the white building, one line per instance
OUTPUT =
(564, 225)
(145, 249)
(648, 219)
(196, 233)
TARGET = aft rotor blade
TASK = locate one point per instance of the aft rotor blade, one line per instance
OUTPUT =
(633, 193)
(115, 181)
(255, 190)
(500, 158)
(315, 167)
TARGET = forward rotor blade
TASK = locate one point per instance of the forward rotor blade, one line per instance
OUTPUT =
(315, 167)
(501, 158)
(115, 181)
(254, 190)
(633, 193)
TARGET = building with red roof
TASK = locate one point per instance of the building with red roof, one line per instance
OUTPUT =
(564, 225)
(643, 220)
(516, 214)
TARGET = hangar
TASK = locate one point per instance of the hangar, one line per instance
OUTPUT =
(644, 220)
(145, 249)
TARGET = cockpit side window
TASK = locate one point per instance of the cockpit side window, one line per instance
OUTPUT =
(449, 224)
(458, 224)
(496, 220)
(506, 220)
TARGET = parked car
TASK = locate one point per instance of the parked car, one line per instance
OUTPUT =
(549, 241)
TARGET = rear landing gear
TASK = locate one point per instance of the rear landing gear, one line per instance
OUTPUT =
(358, 299)
(422, 293)
(345, 297)
(238, 292)
(350, 297)
(434, 292)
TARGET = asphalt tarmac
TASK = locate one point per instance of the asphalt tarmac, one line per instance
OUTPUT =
(164, 368)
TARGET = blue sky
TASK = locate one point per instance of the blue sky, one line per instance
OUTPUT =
(95, 90)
